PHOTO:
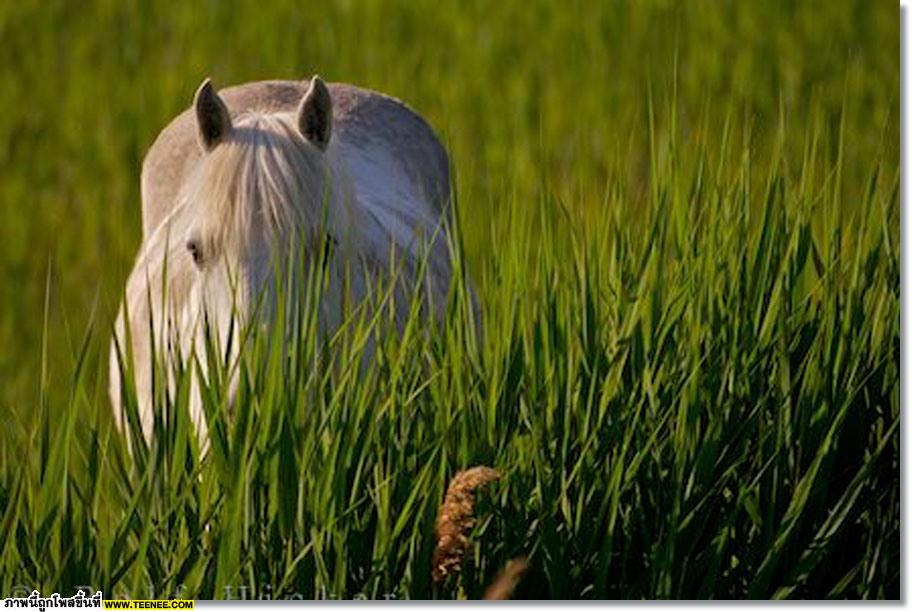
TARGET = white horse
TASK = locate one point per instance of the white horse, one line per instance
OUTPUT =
(244, 175)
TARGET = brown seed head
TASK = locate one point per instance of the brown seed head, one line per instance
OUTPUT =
(455, 519)
(502, 587)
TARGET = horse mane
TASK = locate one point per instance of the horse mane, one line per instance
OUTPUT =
(265, 180)
(263, 177)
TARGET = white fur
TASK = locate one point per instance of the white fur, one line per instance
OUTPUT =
(264, 186)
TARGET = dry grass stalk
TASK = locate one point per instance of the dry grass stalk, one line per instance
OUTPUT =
(502, 587)
(456, 518)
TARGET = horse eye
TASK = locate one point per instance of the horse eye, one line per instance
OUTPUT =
(329, 246)
(196, 251)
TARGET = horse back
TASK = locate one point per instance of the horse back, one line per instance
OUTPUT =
(363, 121)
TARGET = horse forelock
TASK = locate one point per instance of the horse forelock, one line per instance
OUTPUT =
(263, 180)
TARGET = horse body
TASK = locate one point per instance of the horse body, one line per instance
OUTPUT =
(253, 167)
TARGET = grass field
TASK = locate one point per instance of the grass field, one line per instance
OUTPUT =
(682, 220)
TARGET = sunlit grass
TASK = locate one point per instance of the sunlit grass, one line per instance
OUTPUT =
(683, 227)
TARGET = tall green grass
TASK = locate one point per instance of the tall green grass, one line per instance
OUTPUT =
(683, 227)
(702, 402)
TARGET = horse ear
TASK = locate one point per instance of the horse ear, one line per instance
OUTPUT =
(315, 114)
(212, 116)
